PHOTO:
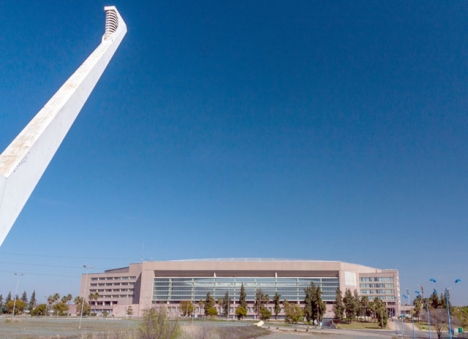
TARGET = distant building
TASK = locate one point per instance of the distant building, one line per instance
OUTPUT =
(155, 283)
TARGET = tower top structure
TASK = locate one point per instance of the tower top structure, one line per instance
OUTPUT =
(24, 161)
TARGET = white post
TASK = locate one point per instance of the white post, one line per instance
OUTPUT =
(84, 293)
(16, 293)
(24, 161)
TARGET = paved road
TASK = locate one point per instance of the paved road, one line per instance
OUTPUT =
(397, 330)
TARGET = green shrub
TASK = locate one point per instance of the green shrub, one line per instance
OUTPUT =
(155, 324)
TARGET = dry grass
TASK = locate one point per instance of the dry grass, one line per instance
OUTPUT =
(101, 328)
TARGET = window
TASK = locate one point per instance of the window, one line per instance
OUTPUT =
(196, 288)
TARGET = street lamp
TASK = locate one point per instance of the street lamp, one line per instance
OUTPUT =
(18, 275)
(447, 303)
(84, 293)
(407, 296)
(397, 307)
(427, 310)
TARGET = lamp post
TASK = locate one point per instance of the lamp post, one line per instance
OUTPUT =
(396, 314)
(427, 310)
(407, 296)
(447, 303)
(18, 275)
(84, 293)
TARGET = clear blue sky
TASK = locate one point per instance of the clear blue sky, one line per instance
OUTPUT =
(306, 129)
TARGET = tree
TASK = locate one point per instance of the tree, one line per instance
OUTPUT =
(209, 303)
(1, 301)
(293, 313)
(338, 308)
(226, 304)
(461, 313)
(320, 306)
(357, 303)
(265, 314)
(417, 303)
(60, 309)
(95, 297)
(277, 302)
(364, 305)
(442, 301)
(350, 305)
(186, 308)
(260, 300)
(39, 310)
(309, 302)
(439, 319)
(212, 311)
(50, 301)
(8, 298)
(129, 311)
(24, 297)
(242, 297)
(86, 308)
(66, 299)
(155, 324)
(373, 309)
(380, 312)
(241, 312)
(434, 301)
(201, 304)
(18, 306)
(32, 301)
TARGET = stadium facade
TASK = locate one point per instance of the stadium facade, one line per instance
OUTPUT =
(156, 283)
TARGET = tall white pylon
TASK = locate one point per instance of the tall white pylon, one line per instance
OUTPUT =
(27, 157)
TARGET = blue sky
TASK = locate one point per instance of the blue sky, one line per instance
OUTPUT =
(312, 129)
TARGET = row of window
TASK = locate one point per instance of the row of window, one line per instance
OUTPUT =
(382, 297)
(113, 278)
(247, 280)
(377, 291)
(378, 279)
(388, 285)
(197, 288)
(198, 310)
(113, 290)
(128, 295)
(112, 284)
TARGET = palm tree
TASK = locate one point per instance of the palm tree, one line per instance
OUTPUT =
(66, 299)
(80, 303)
(50, 301)
(94, 296)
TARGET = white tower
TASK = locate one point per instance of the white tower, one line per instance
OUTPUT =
(26, 158)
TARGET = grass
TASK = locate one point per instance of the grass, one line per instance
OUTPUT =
(28, 328)
(359, 325)
(421, 324)
(242, 332)
(107, 328)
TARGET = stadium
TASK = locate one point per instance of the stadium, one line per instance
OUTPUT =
(149, 284)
